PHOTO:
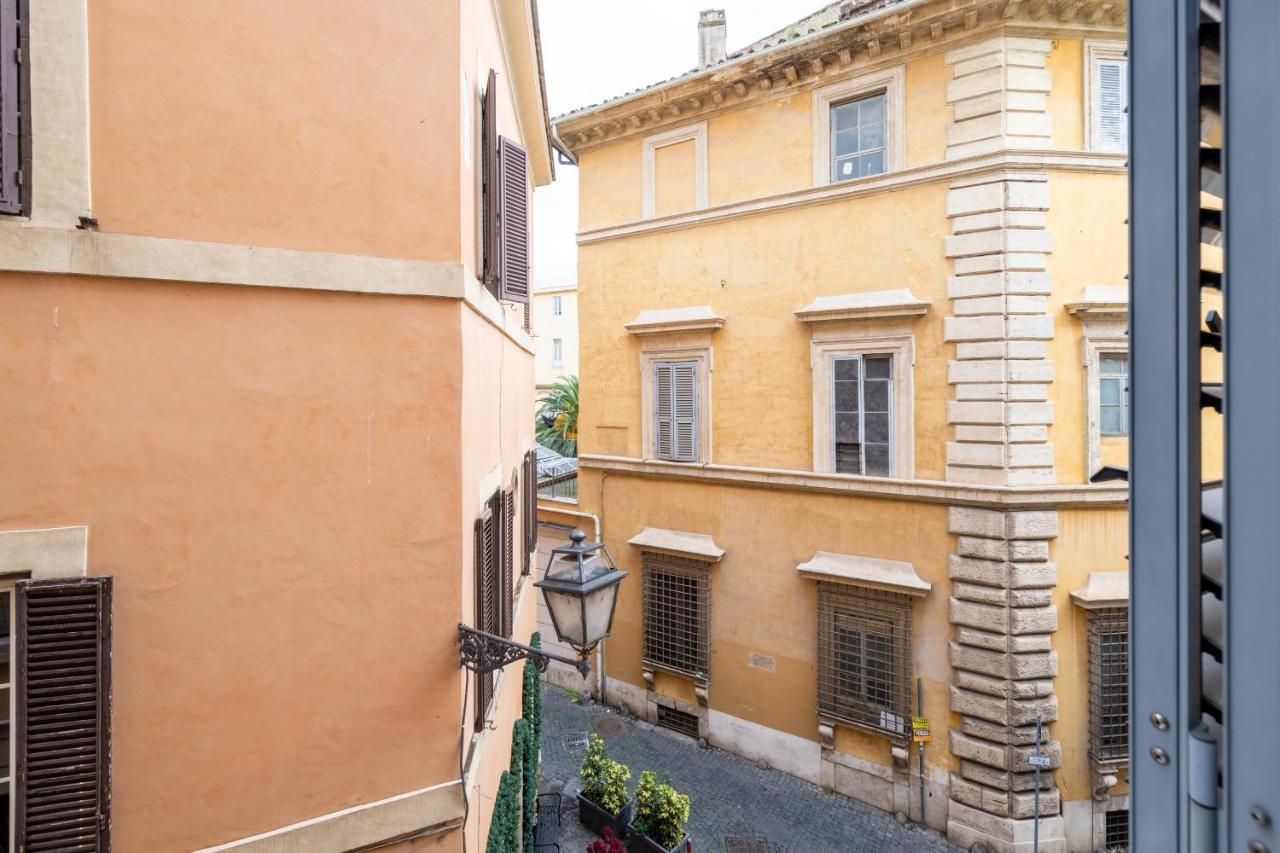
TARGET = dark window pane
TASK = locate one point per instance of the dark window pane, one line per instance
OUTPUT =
(877, 396)
(877, 460)
(845, 142)
(871, 164)
(877, 426)
(846, 396)
(847, 428)
(879, 366)
(846, 368)
(845, 169)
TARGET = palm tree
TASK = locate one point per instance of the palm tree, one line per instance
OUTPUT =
(557, 418)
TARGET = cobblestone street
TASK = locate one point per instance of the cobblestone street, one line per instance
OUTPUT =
(737, 806)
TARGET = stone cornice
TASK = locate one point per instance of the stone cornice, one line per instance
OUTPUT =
(1101, 300)
(863, 306)
(922, 491)
(665, 320)
(944, 170)
(881, 37)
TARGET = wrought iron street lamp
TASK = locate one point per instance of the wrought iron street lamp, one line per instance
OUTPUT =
(581, 591)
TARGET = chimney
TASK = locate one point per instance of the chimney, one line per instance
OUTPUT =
(711, 37)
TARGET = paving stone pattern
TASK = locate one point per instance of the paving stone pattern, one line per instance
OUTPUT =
(736, 803)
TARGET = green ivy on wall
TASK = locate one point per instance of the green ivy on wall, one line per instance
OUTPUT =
(516, 805)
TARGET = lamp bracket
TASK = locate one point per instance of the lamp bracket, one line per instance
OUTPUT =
(480, 651)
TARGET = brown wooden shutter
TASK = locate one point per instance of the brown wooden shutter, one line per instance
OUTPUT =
(530, 507)
(513, 220)
(489, 181)
(11, 111)
(62, 725)
(486, 603)
(508, 561)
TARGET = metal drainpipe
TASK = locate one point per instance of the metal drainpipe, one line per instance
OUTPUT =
(600, 659)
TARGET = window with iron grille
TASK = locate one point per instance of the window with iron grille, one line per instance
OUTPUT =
(1109, 684)
(677, 614)
(864, 658)
(1116, 838)
(862, 414)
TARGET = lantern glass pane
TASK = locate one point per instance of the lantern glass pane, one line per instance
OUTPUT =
(599, 607)
(566, 613)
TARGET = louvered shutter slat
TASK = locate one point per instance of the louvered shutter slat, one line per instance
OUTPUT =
(513, 220)
(1112, 103)
(663, 442)
(62, 724)
(489, 182)
(508, 561)
(685, 411)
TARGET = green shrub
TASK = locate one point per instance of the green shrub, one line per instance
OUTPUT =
(504, 826)
(604, 781)
(528, 748)
(661, 812)
(532, 695)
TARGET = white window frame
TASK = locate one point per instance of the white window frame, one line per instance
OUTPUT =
(823, 354)
(695, 352)
(557, 306)
(891, 82)
(1124, 393)
(697, 132)
(1094, 52)
(1095, 346)
(557, 352)
(862, 379)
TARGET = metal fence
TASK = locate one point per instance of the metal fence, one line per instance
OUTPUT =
(557, 476)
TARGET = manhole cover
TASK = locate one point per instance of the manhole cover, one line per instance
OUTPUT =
(608, 725)
(746, 845)
(575, 743)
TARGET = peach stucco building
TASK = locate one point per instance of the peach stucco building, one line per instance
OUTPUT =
(253, 378)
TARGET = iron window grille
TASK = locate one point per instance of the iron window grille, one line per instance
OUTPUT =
(862, 414)
(677, 614)
(858, 138)
(1116, 831)
(680, 722)
(1109, 685)
(864, 658)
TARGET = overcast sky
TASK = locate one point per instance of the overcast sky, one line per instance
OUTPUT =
(593, 50)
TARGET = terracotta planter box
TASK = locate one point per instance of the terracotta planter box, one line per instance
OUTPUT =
(596, 819)
(637, 843)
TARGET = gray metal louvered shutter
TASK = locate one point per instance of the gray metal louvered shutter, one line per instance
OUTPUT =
(11, 111)
(513, 221)
(489, 183)
(684, 408)
(663, 442)
(62, 725)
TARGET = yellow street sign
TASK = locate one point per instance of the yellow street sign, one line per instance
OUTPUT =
(920, 730)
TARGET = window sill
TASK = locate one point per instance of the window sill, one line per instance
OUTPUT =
(866, 728)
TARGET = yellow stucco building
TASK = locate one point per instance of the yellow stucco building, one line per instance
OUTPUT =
(853, 314)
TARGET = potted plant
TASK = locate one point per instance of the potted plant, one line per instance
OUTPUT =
(661, 813)
(604, 801)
